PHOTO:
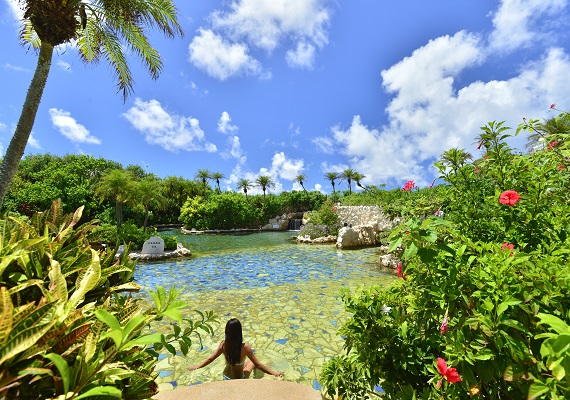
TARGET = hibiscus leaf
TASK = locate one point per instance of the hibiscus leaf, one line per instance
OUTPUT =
(410, 251)
(537, 389)
(394, 244)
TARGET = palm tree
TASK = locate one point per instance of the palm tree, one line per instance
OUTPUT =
(217, 176)
(348, 174)
(455, 158)
(264, 182)
(245, 185)
(301, 178)
(116, 184)
(332, 177)
(147, 192)
(557, 127)
(99, 28)
(358, 177)
(204, 175)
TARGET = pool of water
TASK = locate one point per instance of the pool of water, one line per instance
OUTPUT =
(285, 294)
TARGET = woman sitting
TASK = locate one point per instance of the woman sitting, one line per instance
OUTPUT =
(235, 353)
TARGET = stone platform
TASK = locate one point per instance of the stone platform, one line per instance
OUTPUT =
(243, 389)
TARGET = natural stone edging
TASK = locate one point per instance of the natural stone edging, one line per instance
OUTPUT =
(320, 240)
(180, 252)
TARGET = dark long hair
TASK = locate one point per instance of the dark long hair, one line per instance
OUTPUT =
(233, 343)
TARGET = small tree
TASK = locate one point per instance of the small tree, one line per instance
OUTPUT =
(118, 185)
(217, 176)
(204, 175)
(244, 185)
(264, 182)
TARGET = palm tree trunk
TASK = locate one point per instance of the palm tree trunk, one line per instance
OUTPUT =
(18, 143)
(145, 218)
(119, 212)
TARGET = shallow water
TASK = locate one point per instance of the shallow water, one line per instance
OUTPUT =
(286, 295)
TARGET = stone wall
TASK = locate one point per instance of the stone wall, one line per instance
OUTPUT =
(364, 215)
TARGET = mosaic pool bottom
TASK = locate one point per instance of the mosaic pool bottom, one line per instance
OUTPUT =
(291, 327)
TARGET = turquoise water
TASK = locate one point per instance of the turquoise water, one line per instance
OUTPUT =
(285, 294)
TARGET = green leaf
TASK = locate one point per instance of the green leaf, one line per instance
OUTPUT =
(554, 322)
(28, 331)
(502, 307)
(132, 325)
(62, 367)
(116, 335)
(537, 389)
(6, 317)
(394, 244)
(410, 251)
(108, 318)
(485, 354)
(175, 314)
(144, 340)
(183, 347)
(101, 391)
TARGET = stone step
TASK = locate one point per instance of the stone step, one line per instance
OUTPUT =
(243, 389)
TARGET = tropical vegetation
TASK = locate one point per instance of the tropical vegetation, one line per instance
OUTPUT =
(480, 308)
(97, 28)
(70, 327)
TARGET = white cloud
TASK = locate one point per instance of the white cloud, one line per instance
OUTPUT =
(265, 24)
(325, 167)
(64, 65)
(324, 144)
(222, 50)
(428, 116)
(284, 167)
(234, 151)
(515, 21)
(3, 126)
(32, 141)
(225, 124)
(170, 131)
(302, 57)
(15, 9)
(17, 68)
(219, 58)
(68, 127)
(318, 188)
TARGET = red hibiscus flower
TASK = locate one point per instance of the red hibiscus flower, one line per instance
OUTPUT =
(450, 374)
(399, 271)
(508, 246)
(552, 105)
(552, 145)
(509, 197)
(560, 167)
(480, 144)
(409, 185)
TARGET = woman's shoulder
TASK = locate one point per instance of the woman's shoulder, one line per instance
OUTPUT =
(247, 347)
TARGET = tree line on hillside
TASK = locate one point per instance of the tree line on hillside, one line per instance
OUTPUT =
(112, 193)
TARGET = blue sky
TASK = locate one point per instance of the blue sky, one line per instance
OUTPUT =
(284, 87)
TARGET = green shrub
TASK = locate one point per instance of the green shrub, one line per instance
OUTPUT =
(486, 288)
(66, 328)
(170, 241)
(326, 216)
(314, 231)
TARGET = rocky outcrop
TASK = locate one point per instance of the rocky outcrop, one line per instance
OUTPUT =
(365, 215)
(356, 236)
(320, 240)
(180, 252)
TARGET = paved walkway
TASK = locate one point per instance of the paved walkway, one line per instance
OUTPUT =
(243, 389)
